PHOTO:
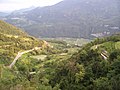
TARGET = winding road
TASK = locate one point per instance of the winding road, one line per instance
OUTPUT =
(20, 54)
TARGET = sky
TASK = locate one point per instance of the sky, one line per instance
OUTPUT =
(11, 5)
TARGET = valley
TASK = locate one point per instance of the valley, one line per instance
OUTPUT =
(24, 57)
(70, 18)
(63, 63)
(70, 45)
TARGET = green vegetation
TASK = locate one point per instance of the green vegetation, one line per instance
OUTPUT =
(10, 29)
(69, 41)
(13, 40)
(33, 69)
(93, 66)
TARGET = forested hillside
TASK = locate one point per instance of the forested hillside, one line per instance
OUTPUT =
(26, 62)
(71, 45)
(95, 67)
(71, 18)
(58, 65)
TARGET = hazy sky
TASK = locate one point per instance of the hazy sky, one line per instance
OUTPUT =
(10, 5)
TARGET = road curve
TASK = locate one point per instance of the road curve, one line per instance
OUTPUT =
(20, 54)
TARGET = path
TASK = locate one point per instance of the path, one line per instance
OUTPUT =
(20, 54)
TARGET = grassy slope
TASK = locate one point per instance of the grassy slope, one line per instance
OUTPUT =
(13, 40)
(6, 28)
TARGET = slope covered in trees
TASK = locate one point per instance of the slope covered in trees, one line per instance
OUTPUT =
(25, 62)
(96, 66)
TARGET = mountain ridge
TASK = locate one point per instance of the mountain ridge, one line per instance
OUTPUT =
(6, 28)
(71, 18)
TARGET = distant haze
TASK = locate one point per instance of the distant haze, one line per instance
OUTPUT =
(11, 5)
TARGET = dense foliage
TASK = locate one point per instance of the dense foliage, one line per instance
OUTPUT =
(32, 70)
(89, 69)
(95, 66)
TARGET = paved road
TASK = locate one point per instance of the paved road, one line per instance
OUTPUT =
(20, 54)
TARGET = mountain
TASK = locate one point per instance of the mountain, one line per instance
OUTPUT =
(71, 18)
(3, 14)
(22, 11)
